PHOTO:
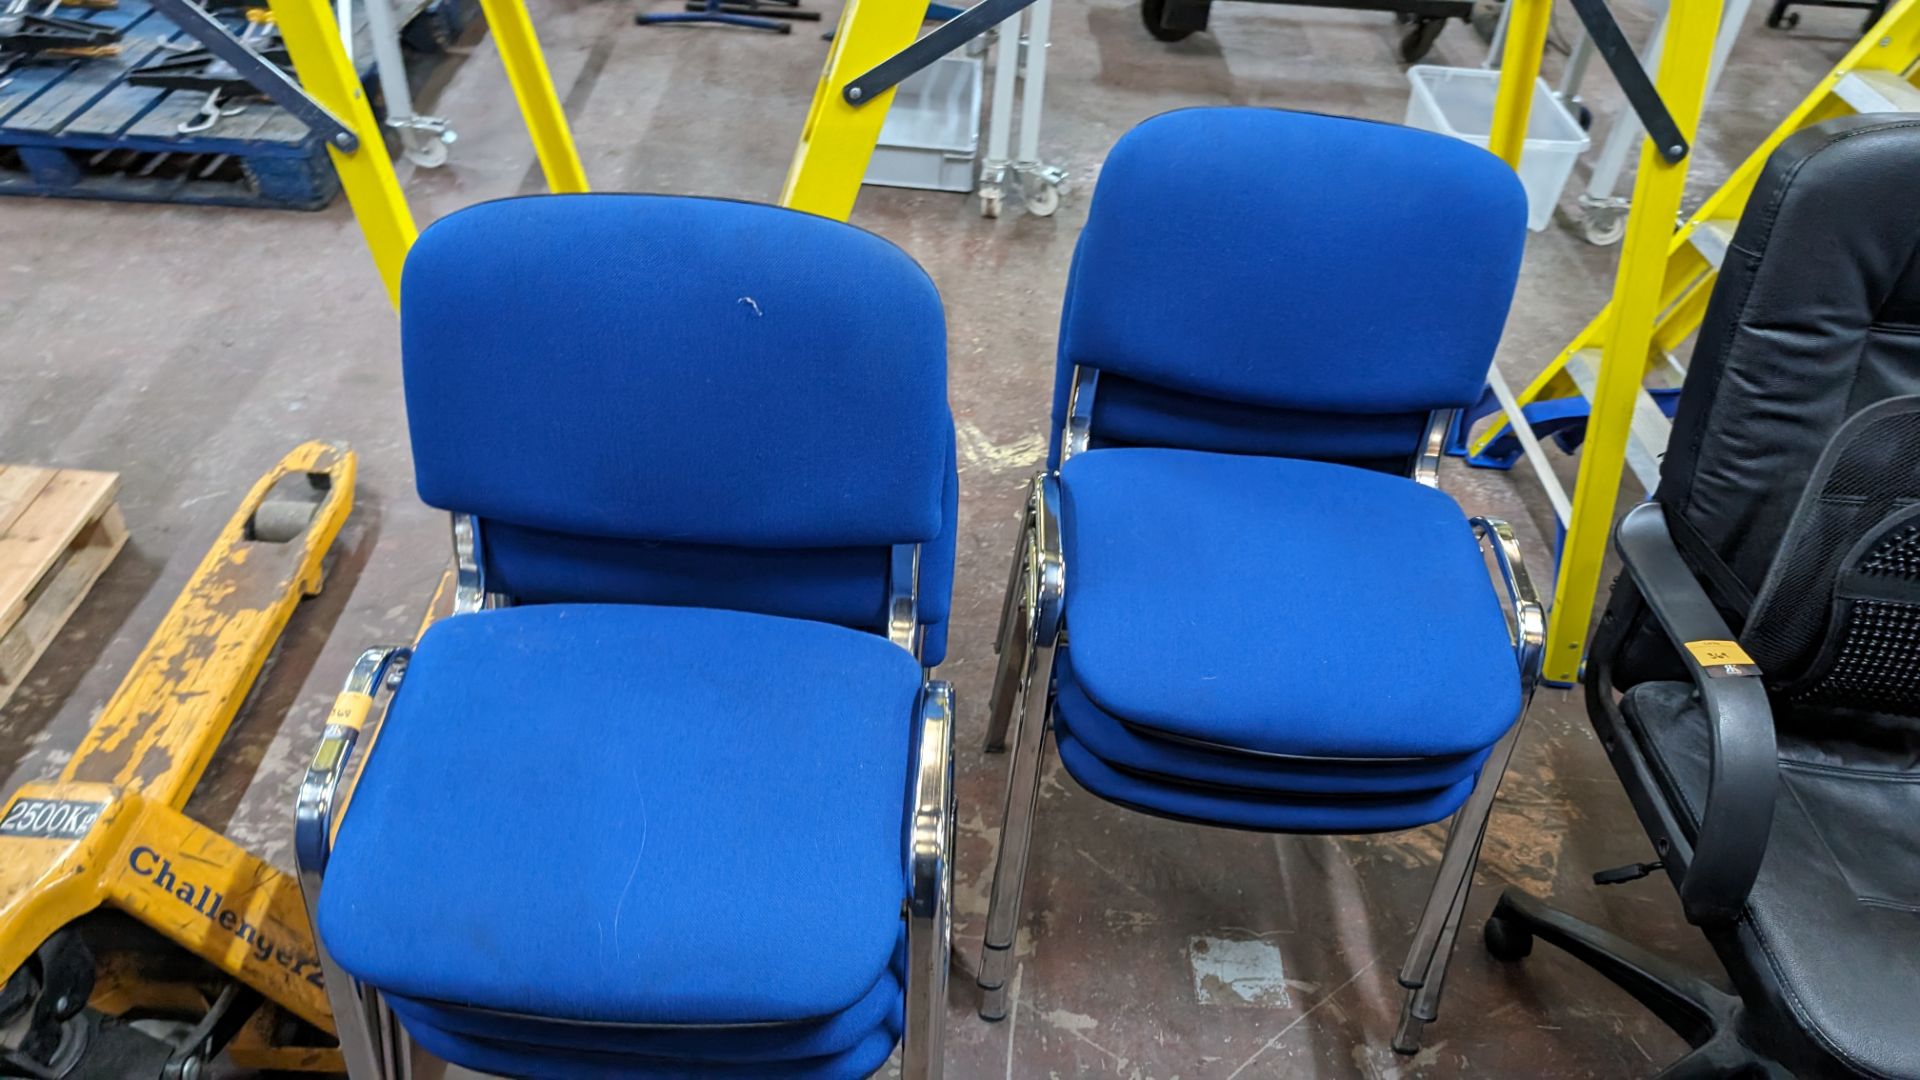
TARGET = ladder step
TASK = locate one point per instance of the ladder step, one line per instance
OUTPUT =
(1878, 92)
(1647, 442)
(1712, 237)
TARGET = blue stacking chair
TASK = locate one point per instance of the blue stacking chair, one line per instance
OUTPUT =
(1239, 597)
(669, 794)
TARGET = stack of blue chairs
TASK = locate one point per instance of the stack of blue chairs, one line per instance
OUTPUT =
(669, 793)
(1239, 597)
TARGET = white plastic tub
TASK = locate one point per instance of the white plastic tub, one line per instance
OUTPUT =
(932, 133)
(1459, 102)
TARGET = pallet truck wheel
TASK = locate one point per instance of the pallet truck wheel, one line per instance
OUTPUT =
(1150, 13)
(1419, 38)
(287, 510)
(76, 1036)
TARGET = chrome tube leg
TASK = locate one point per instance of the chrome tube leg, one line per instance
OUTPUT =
(1424, 971)
(1016, 628)
(360, 1044)
(1463, 843)
(1422, 1005)
(396, 1048)
(1426, 933)
(930, 898)
(1016, 834)
(929, 945)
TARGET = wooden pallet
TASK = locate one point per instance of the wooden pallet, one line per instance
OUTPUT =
(59, 528)
(75, 128)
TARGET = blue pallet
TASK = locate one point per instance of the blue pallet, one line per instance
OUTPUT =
(76, 129)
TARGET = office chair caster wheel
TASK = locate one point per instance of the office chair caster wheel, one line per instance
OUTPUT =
(1421, 33)
(1507, 940)
(1150, 13)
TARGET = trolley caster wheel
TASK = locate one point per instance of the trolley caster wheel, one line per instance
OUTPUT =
(1583, 116)
(428, 153)
(990, 201)
(1507, 940)
(1604, 232)
(1785, 22)
(1150, 13)
(1042, 199)
(1419, 37)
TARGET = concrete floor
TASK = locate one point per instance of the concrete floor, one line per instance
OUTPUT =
(187, 348)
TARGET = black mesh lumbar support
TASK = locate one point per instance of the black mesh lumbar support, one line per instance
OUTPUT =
(1838, 616)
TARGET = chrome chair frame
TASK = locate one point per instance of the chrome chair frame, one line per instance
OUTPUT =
(1033, 627)
(373, 1043)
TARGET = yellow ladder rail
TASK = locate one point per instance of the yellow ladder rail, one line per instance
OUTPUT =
(1893, 46)
(320, 61)
(1639, 291)
(1666, 278)
(838, 138)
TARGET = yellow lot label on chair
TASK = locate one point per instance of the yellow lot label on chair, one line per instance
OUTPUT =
(1722, 659)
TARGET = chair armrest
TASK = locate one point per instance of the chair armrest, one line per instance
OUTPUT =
(1047, 567)
(314, 811)
(1529, 630)
(1738, 816)
(930, 837)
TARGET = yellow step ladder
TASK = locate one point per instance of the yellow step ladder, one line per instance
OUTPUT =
(1878, 75)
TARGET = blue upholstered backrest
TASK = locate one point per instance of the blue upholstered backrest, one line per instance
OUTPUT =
(1280, 282)
(675, 400)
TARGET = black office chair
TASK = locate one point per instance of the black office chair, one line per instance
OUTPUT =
(1756, 677)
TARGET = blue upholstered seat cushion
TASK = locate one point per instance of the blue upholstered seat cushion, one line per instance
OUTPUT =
(632, 814)
(1264, 811)
(1152, 756)
(513, 1059)
(880, 1009)
(1282, 606)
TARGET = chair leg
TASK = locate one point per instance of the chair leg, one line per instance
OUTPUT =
(1456, 861)
(1012, 644)
(929, 946)
(1422, 1005)
(1016, 832)
(353, 1019)
(396, 1045)
(1695, 1009)
(1424, 972)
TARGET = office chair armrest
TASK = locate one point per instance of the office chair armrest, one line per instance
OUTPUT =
(930, 840)
(314, 815)
(1529, 629)
(1738, 816)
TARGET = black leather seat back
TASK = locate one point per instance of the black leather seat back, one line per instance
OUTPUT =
(1815, 317)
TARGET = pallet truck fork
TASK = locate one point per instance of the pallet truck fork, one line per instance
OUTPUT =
(118, 909)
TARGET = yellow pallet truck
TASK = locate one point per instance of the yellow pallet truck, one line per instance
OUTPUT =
(135, 941)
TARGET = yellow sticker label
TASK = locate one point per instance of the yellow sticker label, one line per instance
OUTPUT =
(1714, 653)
